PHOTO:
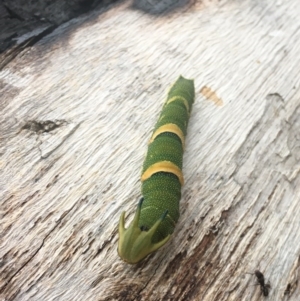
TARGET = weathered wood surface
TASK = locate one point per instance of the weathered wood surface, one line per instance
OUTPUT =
(77, 111)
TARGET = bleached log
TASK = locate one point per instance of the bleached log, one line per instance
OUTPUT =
(77, 111)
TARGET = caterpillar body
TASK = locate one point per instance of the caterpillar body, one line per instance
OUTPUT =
(162, 178)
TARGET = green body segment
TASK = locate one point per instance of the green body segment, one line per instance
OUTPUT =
(158, 211)
(162, 191)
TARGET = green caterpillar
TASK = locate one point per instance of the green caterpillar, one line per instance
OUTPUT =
(158, 209)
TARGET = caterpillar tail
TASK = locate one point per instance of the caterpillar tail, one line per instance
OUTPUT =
(134, 243)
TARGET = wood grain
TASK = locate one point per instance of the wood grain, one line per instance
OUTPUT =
(77, 111)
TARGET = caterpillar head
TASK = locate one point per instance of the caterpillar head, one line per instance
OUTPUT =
(135, 244)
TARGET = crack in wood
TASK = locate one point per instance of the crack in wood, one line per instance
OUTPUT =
(40, 126)
(46, 153)
(150, 278)
(59, 221)
(9, 55)
(22, 267)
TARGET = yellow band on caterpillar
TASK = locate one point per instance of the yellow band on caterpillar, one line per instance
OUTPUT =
(170, 128)
(185, 102)
(163, 166)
